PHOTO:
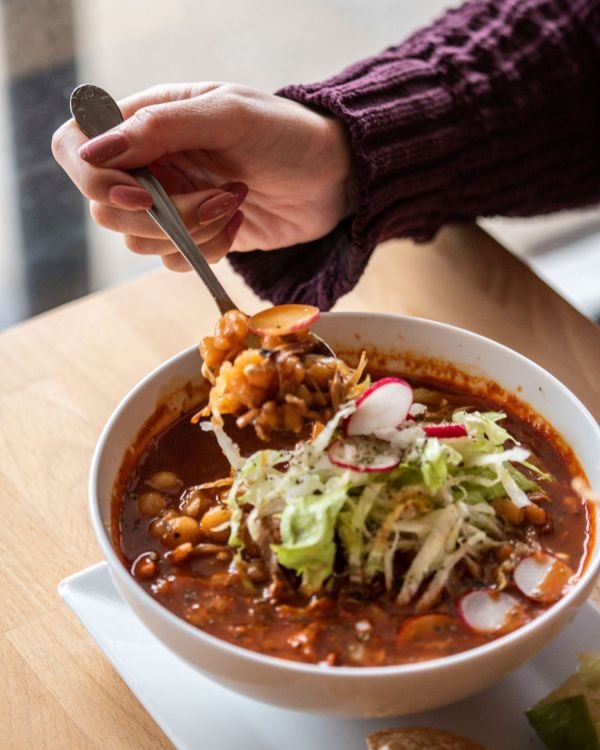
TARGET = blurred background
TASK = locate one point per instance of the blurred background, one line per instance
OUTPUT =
(51, 252)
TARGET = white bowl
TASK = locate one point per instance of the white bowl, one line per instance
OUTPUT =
(418, 347)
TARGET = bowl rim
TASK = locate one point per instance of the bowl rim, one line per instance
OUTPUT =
(103, 537)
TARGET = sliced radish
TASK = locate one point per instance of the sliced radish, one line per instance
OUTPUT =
(490, 612)
(283, 319)
(363, 454)
(384, 404)
(444, 430)
(542, 577)
(416, 410)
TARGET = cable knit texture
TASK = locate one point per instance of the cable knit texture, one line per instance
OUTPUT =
(492, 110)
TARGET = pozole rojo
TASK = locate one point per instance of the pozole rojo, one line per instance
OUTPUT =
(343, 515)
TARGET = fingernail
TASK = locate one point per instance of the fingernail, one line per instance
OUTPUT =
(104, 147)
(132, 198)
(239, 189)
(234, 224)
(215, 208)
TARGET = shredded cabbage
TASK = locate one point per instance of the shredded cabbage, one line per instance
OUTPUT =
(435, 506)
(230, 449)
(307, 536)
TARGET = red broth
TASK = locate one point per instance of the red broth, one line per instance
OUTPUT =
(349, 625)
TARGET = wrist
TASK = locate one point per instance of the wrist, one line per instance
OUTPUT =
(338, 146)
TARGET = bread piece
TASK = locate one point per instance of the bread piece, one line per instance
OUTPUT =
(419, 738)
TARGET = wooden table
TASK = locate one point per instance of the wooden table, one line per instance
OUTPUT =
(62, 375)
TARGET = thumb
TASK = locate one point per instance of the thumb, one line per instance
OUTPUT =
(165, 128)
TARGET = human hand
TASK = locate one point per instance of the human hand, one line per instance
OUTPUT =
(213, 147)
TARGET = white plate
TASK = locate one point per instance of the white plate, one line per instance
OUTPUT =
(195, 712)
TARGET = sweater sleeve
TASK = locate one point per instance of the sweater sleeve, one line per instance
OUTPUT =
(492, 110)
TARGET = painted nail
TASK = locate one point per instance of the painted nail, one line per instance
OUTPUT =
(234, 224)
(217, 207)
(132, 198)
(239, 189)
(104, 147)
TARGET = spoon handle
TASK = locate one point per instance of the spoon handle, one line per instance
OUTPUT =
(95, 112)
(166, 216)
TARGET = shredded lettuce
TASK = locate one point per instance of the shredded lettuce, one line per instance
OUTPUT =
(437, 460)
(353, 529)
(230, 449)
(434, 507)
(440, 540)
(483, 428)
(307, 536)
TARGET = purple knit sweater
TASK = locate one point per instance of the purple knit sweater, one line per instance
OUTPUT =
(492, 110)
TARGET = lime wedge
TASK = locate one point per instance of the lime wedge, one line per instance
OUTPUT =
(565, 724)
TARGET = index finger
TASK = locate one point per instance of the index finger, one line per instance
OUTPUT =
(94, 182)
(163, 94)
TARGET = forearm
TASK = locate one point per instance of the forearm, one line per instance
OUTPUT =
(494, 109)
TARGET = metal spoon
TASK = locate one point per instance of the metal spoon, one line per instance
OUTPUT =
(95, 112)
